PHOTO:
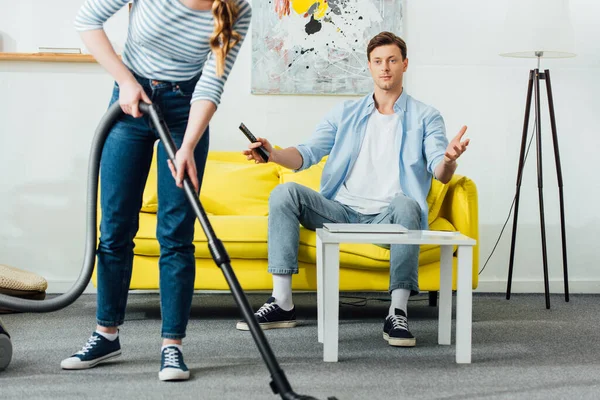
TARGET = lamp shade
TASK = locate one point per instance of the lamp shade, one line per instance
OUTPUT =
(538, 28)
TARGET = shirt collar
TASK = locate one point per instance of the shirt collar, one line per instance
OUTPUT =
(400, 104)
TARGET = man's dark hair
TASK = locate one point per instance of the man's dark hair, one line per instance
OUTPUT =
(383, 39)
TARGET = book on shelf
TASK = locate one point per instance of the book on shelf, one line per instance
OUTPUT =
(59, 50)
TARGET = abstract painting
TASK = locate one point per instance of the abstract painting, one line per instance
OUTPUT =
(317, 47)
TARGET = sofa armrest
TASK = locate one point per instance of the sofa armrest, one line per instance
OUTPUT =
(460, 207)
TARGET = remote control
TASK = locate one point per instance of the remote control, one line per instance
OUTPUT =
(261, 151)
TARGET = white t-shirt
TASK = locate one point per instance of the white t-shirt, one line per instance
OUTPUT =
(374, 180)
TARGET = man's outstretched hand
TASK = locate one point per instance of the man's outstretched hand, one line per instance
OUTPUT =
(456, 147)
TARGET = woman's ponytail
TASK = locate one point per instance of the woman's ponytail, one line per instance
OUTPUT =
(223, 38)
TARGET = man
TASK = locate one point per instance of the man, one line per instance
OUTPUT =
(383, 151)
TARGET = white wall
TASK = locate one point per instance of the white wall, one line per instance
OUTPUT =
(48, 114)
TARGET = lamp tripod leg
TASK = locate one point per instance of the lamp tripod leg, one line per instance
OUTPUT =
(518, 185)
(541, 185)
(560, 183)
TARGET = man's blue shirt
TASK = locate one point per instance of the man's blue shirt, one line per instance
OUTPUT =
(422, 142)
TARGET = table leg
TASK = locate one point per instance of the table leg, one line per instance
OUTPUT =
(331, 299)
(445, 303)
(320, 295)
(464, 304)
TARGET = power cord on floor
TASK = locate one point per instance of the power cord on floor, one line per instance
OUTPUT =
(513, 202)
(361, 301)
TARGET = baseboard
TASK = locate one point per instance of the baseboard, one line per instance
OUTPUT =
(489, 286)
(537, 286)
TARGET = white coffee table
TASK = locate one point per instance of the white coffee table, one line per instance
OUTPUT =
(328, 284)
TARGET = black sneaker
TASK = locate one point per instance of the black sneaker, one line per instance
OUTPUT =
(395, 330)
(172, 367)
(271, 316)
(98, 349)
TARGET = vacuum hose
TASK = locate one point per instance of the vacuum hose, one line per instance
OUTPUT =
(65, 299)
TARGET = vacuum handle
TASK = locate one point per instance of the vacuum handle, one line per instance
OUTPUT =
(153, 112)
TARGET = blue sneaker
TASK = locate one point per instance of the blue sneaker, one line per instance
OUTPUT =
(172, 367)
(271, 316)
(396, 332)
(98, 349)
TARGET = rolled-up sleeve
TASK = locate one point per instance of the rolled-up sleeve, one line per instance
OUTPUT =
(434, 140)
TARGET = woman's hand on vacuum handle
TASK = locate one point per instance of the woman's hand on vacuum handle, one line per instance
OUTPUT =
(186, 165)
(130, 95)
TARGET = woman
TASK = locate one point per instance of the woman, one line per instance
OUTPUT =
(178, 55)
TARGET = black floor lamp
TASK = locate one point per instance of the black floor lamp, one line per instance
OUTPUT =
(539, 29)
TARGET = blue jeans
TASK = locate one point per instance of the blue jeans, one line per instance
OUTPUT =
(124, 167)
(291, 204)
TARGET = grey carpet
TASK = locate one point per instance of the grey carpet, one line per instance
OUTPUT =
(520, 351)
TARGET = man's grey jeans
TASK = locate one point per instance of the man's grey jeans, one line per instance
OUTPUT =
(291, 204)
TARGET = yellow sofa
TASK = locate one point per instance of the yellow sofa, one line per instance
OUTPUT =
(235, 194)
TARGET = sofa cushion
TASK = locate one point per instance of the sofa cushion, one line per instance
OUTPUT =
(310, 177)
(231, 185)
(238, 189)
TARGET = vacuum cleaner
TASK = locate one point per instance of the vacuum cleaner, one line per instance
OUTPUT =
(279, 384)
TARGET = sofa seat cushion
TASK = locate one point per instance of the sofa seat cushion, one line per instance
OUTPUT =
(245, 237)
